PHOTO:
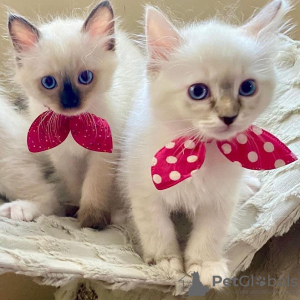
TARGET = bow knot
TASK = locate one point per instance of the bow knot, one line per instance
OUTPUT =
(49, 130)
(254, 149)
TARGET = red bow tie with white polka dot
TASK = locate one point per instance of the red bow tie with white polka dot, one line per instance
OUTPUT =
(254, 149)
(50, 129)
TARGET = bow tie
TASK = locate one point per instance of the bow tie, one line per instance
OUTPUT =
(254, 149)
(50, 129)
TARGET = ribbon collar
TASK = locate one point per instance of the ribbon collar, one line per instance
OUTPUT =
(254, 149)
(50, 129)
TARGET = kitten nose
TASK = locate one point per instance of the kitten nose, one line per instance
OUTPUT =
(70, 97)
(228, 120)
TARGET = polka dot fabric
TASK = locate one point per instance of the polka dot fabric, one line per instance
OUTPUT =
(177, 161)
(254, 149)
(257, 149)
(91, 132)
(50, 129)
(47, 132)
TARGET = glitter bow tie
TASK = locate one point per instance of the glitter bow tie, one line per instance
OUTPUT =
(254, 149)
(50, 129)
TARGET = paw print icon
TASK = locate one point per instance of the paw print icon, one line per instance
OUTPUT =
(261, 281)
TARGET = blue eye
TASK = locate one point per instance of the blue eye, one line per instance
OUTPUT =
(49, 82)
(85, 77)
(248, 88)
(198, 91)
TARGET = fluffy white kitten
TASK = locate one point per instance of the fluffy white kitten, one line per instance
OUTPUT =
(196, 85)
(69, 53)
(24, 177)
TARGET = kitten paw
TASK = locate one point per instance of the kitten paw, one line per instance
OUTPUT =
(214, 268)
(93, 218)
(21, 210)
(168, 264)
(194, 268)
(174, 264)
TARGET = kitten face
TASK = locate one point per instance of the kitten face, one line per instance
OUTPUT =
(211, 79)
(219, 80)
(69, 64)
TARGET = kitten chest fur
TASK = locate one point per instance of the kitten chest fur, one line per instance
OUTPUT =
(217, 178)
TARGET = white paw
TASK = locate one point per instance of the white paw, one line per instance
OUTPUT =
(194, 268)
(171, 264)
(214, 268)
(21, 210)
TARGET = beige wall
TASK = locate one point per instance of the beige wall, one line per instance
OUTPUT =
(19, 287)
(131, 11)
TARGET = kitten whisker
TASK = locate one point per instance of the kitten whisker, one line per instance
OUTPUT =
(41, 122)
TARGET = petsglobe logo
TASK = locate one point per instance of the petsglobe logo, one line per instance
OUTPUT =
(255, 281)
(259, 283)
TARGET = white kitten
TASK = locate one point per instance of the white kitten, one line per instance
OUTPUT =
(24, 176)
(194, 87)
(66, 52)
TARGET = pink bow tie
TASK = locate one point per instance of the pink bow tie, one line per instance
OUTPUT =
(50, 129)
(254, 149)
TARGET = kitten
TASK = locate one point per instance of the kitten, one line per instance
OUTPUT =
(73, 66)
(210, 80)
(26, 178)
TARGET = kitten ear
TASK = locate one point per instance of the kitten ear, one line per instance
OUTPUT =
(100, 22)
(269, 18)
(162, 37)
(24, 35)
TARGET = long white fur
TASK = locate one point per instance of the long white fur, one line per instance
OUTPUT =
(65, 47)
(211, 52)
(23, 173)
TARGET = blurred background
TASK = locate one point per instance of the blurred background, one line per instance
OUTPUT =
(131, 11)
(15, 287)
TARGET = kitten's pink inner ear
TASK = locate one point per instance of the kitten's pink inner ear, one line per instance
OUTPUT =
(270, 16)
(100, 22)
(162, 37)
(101, 25)
(23, 34)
